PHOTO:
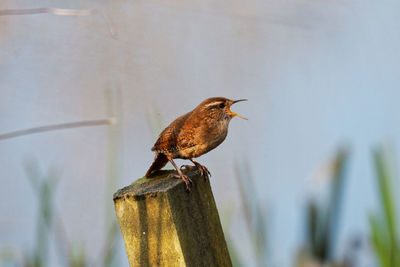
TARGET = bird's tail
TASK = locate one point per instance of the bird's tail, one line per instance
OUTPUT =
(160, 161)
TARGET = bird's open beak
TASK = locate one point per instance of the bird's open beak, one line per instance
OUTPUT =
(233, 114)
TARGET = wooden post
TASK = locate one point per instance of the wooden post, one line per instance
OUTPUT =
(164, 225)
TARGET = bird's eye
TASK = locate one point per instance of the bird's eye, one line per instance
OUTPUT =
(222, 105)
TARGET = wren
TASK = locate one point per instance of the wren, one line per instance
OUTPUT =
(194, 134)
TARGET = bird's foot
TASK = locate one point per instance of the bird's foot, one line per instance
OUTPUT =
(203, 171)
(185, 178)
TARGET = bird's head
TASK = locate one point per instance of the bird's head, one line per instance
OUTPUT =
(219, 108)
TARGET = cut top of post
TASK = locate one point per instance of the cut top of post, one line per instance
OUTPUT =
(149, 187)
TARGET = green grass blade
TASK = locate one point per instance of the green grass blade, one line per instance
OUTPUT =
(385, 193)
(380, 240)
(388, 244)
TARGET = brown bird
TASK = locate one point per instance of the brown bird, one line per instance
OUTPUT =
(194, 134)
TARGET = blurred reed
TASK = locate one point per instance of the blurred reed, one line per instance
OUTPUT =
(114, 160)
(44, 185)
(383, 224)
(253, 214)
(323, 220)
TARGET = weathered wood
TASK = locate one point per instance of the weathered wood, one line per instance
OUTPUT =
(164, 225)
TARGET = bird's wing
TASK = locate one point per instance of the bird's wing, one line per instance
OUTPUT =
(178, 135)
(187, 137)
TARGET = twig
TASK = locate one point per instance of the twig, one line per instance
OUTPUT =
(61, 12)
(56, 127)
(49, 10)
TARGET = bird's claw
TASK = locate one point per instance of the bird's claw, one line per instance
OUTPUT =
(186, 179)
(203, 171)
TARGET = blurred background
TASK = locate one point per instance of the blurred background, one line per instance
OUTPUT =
(305, 181)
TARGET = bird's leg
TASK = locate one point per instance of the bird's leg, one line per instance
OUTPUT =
(185, 178)
(203, 170)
